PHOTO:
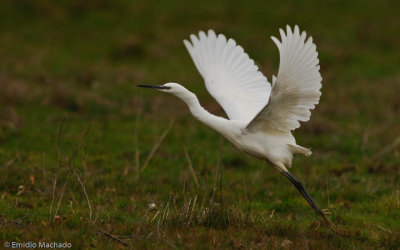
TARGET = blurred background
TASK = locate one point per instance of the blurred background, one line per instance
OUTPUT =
(74, 127)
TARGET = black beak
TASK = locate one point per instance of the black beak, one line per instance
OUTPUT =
(153, 86)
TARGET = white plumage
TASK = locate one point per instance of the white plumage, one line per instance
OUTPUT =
(261, 116)
(230, 75)
(296, 89)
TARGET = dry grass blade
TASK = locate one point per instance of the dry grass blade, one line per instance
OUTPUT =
(155, 216)
(113, 237)
(155, 147)
(137, 151)
(387, 149)
(58, 166)
(11, 162)
(61, 196)
(71, 169)
(166, 210)
(76, 172)
(191, 167)
(385, 229)
(218, 170)
(137, 163)
(84, 191)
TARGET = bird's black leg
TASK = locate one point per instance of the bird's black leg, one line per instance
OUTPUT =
(304, 193)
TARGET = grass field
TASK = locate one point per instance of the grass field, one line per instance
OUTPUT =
(88, 158)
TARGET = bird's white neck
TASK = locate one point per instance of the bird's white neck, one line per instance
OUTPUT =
(220, 124)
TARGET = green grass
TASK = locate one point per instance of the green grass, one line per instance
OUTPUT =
(80, 61)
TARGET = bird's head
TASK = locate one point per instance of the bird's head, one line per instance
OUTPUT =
(171, 87)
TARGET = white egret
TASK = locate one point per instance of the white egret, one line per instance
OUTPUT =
(261, 114)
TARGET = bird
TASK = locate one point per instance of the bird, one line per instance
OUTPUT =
(261, 114)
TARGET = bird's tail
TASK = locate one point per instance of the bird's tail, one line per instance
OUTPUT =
(296, 149)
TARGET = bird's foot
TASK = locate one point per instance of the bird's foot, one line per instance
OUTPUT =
(326, 211)
(329, 223)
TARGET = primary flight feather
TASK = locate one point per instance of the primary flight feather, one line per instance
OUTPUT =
(230, 75)
(261, 115)
(297, 87)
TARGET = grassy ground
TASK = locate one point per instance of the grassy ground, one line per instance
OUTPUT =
(70, 112)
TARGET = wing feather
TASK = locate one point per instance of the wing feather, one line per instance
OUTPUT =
(296, 89)
(230, 76)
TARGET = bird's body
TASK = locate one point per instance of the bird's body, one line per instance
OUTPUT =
(261, 115)
(275, 146)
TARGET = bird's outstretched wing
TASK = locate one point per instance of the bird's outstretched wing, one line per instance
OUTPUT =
(231, 77)
(296, 89)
